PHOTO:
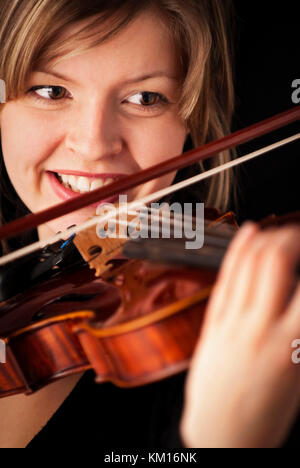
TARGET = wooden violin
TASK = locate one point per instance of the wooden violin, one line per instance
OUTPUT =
(133, 321)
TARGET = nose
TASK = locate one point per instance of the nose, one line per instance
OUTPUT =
(93, 133)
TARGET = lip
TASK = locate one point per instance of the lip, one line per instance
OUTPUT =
(91, 175)
(66, 194)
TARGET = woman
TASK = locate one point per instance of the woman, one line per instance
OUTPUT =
(101, 90)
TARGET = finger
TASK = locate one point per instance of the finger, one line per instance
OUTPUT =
(276, 277)
(247, 282)
(292, 316)
(229, 272)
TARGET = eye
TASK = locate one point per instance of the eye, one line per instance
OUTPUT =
(53, 93)
(147, 99)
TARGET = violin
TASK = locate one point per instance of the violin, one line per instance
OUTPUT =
(107, 305)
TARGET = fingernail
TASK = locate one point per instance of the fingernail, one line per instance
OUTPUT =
(248, 227)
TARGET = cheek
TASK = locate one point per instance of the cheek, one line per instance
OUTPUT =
(27, 139)
(155, 142)
(27, 142)
(158, 140)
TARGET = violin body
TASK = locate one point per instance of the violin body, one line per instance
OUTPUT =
(138, 323)
(129, 338)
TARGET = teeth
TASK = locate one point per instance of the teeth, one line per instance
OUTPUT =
(72, 180)
(65, 179)
(83, 184)
(96, 184)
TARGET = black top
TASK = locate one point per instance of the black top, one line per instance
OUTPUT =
(105, 416)
(108, 417)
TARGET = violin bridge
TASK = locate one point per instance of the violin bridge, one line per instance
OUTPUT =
(99, 251)
(96, 251)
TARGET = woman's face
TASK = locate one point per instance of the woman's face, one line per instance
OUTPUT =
(95, 117)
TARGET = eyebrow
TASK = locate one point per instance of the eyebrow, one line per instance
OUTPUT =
(138, 79)
(152, 75)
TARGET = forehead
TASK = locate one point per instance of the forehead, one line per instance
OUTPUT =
(143, 46)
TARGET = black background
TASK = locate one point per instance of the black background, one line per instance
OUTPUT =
(267, 62)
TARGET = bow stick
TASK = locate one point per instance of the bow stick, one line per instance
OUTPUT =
(207, 151)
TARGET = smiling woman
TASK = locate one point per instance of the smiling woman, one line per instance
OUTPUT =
(102, 90)
(97, 90)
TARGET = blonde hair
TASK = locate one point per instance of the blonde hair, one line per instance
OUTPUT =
(31, 33)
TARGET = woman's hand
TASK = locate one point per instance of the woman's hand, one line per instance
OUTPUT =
(243, 389)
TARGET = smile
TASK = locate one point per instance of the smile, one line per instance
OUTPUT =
(81, 184)
(72, 184)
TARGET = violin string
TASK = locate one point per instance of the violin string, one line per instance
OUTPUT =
(223, 230)
(165, 216)
(179, 221)
(174, 252)
(144, 201)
